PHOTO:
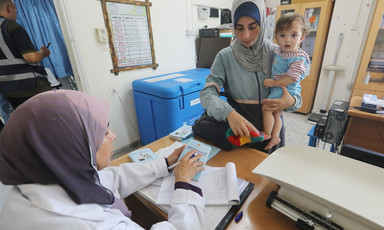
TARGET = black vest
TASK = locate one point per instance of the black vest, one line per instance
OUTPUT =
(16, 74)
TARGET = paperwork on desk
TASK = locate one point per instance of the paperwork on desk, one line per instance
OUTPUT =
(218, 184)
(213, 213)
(348, 191)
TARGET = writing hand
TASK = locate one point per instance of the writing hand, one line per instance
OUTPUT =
(188, 167)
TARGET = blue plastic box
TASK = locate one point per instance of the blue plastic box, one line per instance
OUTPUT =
(164, 102)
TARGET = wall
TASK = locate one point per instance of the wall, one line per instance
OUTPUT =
(174, 50)
(354, 22)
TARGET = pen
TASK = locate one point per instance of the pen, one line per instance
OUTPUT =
(48, 45)
(174, 165)
(239, 217)
(177, 163)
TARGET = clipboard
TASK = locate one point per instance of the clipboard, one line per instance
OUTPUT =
(235, 208)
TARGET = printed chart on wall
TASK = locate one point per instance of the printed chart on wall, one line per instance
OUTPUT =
(130, 34)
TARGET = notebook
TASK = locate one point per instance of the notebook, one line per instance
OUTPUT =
(142, 155)
(200, 148)
(220, 186)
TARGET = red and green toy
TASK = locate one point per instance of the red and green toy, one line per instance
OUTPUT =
(242, 140)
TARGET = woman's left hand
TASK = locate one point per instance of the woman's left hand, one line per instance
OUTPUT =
(286, 101)
(172, 159)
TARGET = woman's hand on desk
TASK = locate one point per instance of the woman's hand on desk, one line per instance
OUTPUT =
(188, 167)
(172, 159)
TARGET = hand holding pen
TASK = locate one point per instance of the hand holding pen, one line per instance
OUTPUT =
(188, 167)
(178, 162)
(44, 51)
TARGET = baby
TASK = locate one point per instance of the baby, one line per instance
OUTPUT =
(290, 65)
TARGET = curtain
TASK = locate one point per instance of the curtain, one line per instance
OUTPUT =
(39, 19)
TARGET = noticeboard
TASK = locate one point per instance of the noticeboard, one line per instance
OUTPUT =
(130, 34)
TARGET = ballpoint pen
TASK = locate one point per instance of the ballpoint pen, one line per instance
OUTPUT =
(178, 162)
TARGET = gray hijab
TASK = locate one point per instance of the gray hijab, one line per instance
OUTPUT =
(52, 139)
(257, 57)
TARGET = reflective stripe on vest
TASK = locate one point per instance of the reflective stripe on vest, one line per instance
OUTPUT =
(13, 68)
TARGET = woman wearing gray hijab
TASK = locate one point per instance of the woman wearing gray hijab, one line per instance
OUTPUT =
(55, 151)
(240, 70)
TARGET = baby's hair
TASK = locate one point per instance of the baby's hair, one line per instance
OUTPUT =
(285, 22)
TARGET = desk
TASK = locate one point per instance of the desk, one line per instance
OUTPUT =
(256, 215)
(365, 130)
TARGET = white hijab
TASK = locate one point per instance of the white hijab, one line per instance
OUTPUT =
(258, 56)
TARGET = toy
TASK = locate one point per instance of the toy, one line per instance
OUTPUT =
(242, 140)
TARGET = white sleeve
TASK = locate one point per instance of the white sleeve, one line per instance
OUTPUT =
(187, 206)
(128, 178)
(187, 212)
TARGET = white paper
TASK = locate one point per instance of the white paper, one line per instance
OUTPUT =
(165, 152)
(218, 184)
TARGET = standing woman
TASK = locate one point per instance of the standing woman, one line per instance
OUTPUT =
(240, 70)
(55, 151)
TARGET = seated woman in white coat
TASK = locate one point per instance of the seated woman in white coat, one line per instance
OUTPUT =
(55, 151)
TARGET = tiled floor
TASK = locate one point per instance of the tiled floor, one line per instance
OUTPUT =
(297, 127)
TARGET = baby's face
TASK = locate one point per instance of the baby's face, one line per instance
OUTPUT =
(289, 40)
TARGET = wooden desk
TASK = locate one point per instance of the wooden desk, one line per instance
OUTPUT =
(256, 214)
(365, 130)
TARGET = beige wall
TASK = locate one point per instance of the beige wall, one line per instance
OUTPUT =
(91, 60)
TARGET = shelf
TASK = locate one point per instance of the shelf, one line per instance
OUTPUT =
(376, 69)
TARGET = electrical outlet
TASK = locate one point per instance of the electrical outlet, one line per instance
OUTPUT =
(350, 86)
(112, 90)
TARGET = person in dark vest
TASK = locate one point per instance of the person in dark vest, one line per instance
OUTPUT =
(21, 75)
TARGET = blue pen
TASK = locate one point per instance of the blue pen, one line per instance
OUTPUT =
(178, 162)
(239, 217)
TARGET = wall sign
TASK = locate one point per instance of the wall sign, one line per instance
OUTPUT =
(130, 34)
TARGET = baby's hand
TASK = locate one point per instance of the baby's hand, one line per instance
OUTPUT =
(268, 83)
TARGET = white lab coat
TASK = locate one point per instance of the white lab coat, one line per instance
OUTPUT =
(35, 206)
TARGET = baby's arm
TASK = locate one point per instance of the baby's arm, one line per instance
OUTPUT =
(295, 71)
(277, 82)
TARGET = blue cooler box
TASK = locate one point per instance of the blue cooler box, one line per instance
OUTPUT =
(164, 102)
